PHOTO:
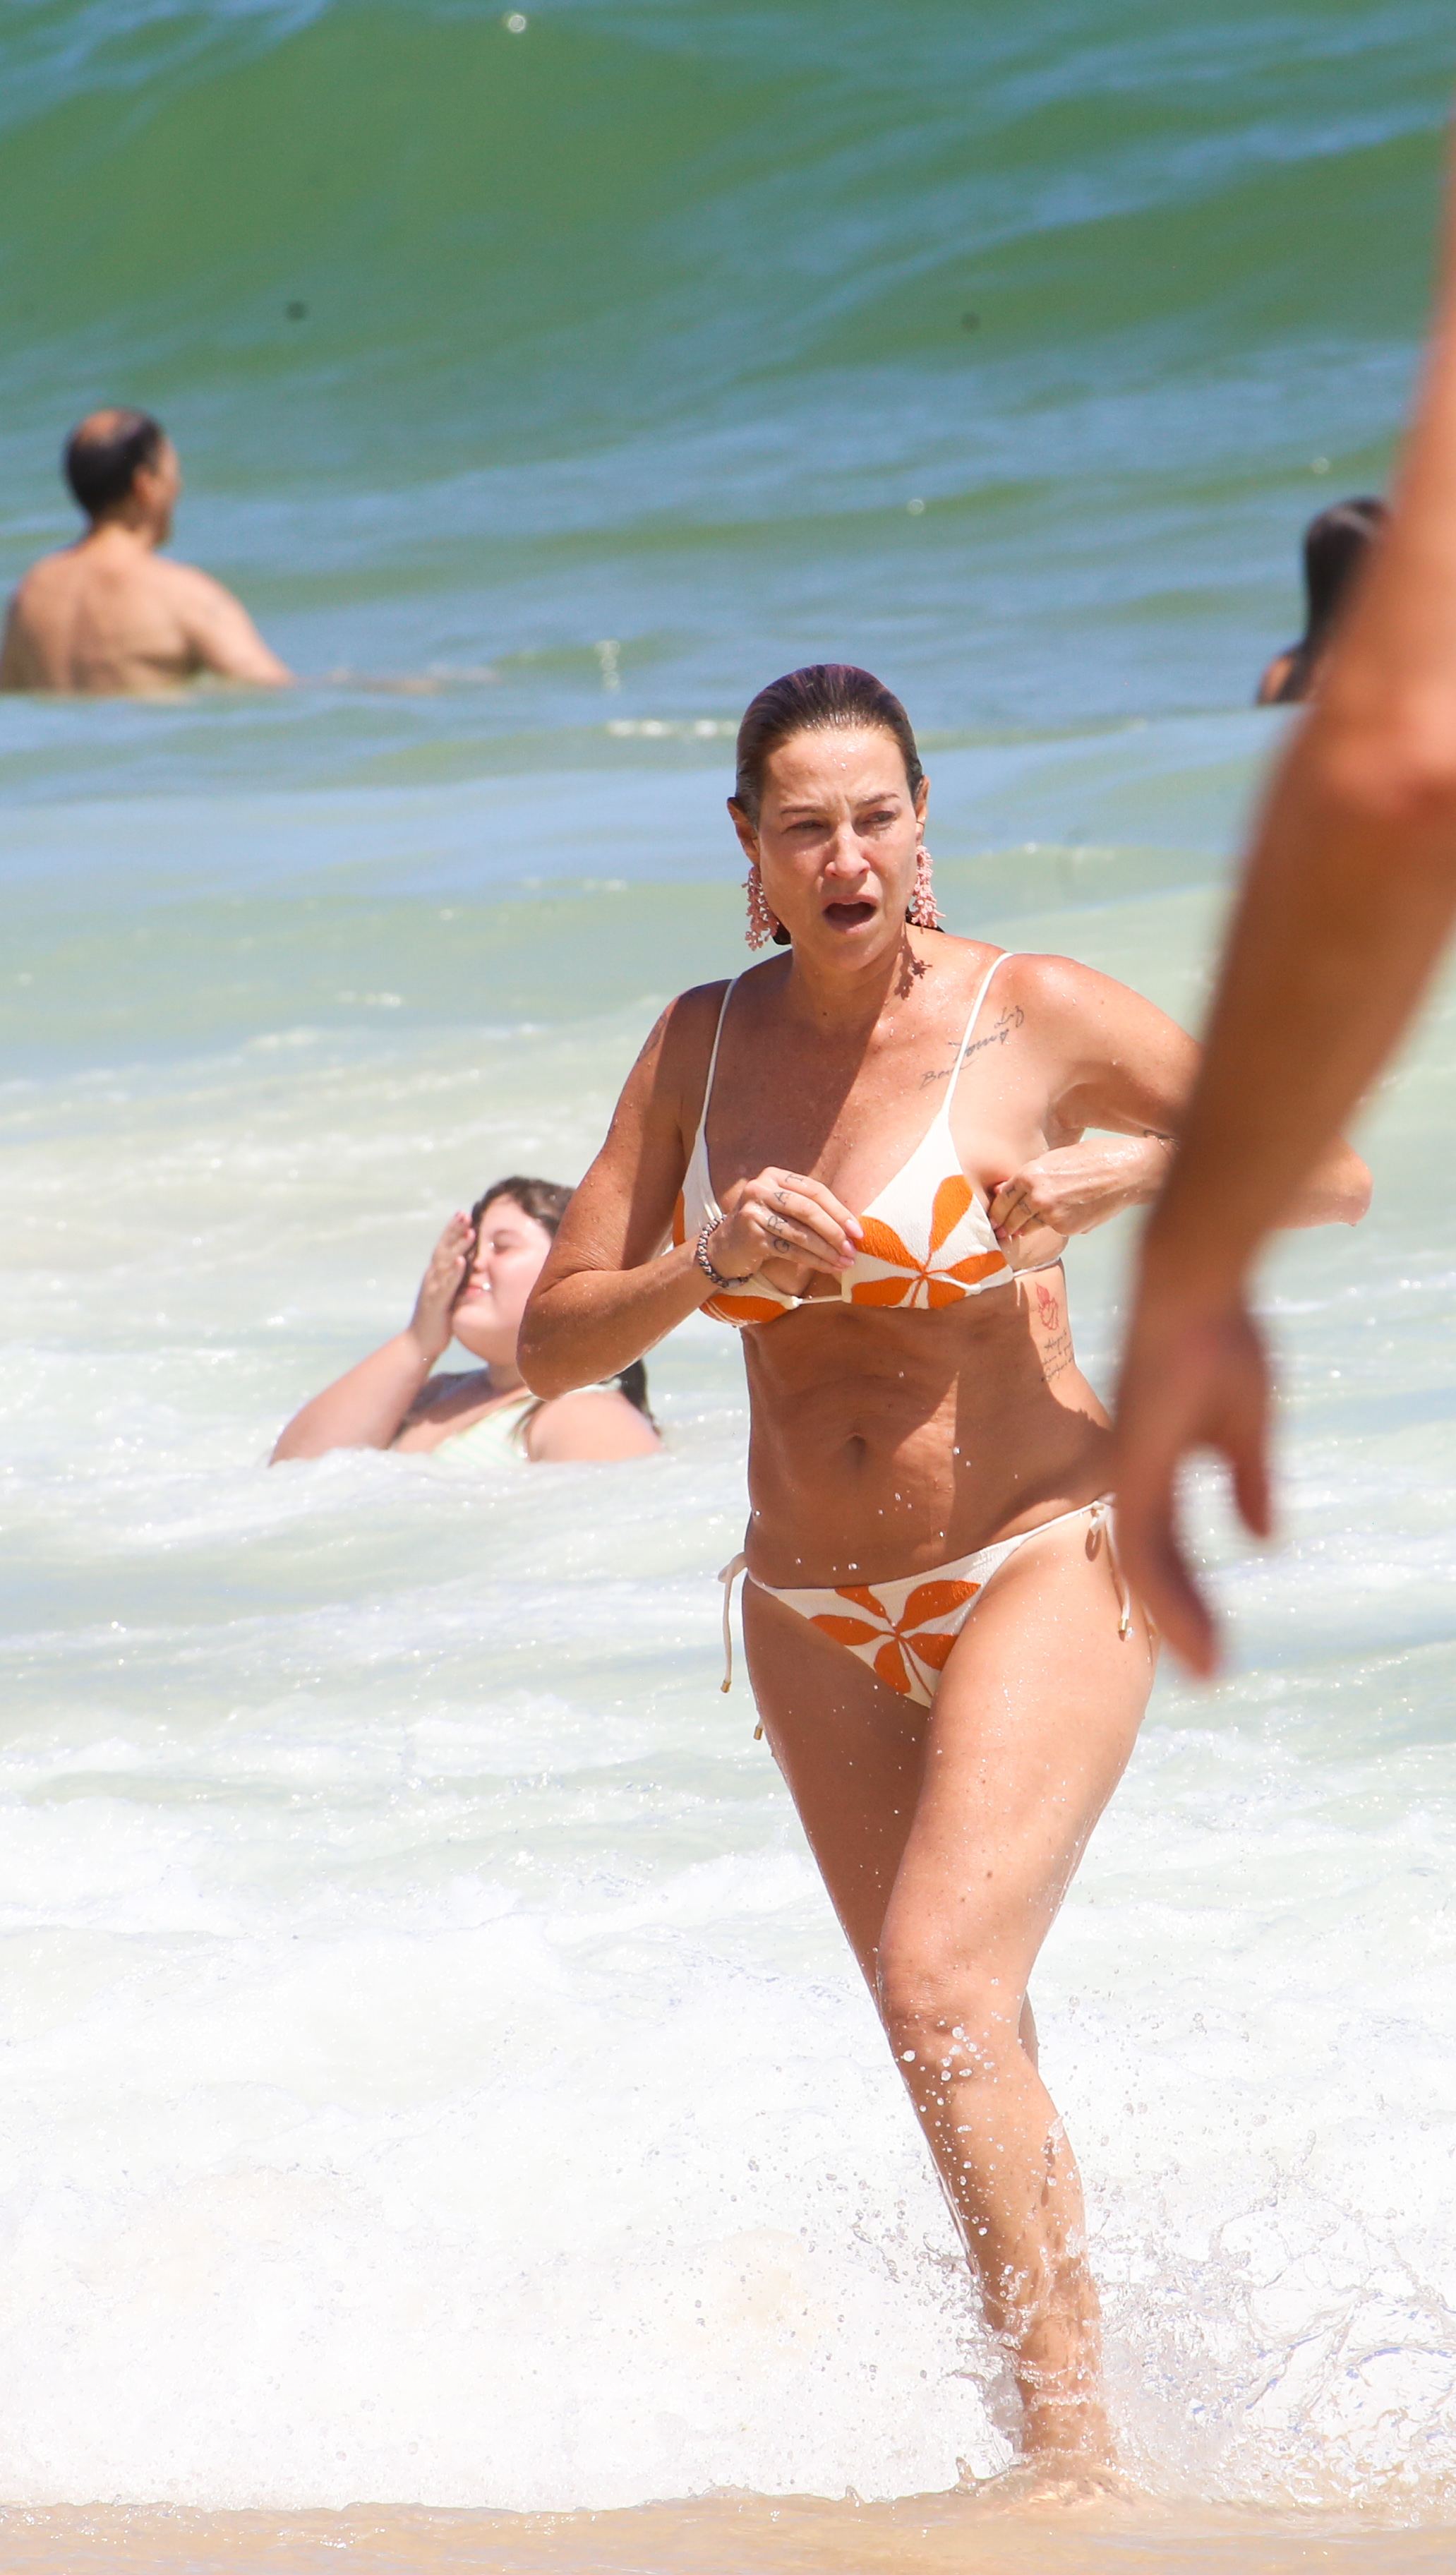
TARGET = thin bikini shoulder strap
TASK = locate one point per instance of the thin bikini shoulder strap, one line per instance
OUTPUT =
(975, 1009)
(713, 1058)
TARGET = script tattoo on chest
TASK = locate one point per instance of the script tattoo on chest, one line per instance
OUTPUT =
(1056, 1353)
(1012, 1018)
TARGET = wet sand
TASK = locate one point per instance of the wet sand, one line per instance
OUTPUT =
(721, 2535)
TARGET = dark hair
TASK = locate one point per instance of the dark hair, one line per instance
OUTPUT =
(1335, 547)
(545, 1200)
(822, 694)
(104, 455)
(808, 700)
(546, 1203)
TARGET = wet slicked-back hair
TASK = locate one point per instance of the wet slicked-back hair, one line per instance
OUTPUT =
(824, 694)
(102, 463)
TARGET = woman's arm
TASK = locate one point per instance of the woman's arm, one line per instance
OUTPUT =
(1347, 903)
(609, 1291)
(1119, 1063)
(368, 1406)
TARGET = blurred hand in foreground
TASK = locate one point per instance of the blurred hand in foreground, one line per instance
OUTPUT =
(1346, 907)
(1196, 1377)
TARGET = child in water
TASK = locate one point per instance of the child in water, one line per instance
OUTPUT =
(481, 1274)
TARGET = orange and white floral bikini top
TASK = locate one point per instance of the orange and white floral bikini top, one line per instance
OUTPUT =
(927, 1238)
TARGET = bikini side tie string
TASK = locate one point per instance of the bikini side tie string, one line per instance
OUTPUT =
(727, 1579)
(1100, 1518)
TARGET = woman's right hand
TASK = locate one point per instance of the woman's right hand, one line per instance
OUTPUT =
(783, 1216)
(440, 1286)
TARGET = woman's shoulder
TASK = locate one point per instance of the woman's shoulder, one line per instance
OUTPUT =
(1080, 1015)
(592, 1421)
(445, 1405)
(690, 1013)
(679, 1049)
(694, 1013)
(1023, 975)
(684, 1030)
(1056, 998)
(452, 1391)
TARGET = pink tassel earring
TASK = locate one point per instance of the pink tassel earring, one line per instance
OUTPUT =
(761, 922)
(922, 908)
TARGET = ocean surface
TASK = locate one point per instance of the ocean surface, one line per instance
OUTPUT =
(432, 2080)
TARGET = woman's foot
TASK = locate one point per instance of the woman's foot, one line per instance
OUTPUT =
(1056, 2481)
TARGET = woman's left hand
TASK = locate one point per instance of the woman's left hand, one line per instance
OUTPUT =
(1075, 1188)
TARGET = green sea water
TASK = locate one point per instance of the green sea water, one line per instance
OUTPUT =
(431, 2074)
(648, 326)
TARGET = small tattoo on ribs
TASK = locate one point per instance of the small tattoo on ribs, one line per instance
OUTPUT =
(1056, 1356)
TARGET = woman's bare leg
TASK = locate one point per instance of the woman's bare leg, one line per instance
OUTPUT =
(948, 1840)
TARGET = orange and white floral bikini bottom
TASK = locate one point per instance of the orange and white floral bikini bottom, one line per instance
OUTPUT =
(905, 1630)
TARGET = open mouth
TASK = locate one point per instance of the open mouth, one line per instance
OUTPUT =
(849, 916)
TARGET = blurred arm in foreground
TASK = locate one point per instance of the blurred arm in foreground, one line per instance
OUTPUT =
(1347, 903)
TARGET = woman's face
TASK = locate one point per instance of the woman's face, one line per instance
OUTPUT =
(837, 837)
(509, 1254)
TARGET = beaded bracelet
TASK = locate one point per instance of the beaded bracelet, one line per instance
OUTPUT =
(705, 1235)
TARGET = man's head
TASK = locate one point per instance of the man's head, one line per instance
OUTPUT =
(122, 465)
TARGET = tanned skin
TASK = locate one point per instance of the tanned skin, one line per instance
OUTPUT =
(1347, 904)
(473, 1292)
(107, 617)
(885, 1442)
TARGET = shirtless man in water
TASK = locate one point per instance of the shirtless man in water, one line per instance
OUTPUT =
(106, 618)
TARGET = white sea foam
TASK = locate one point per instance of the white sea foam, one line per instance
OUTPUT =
(432, 2071)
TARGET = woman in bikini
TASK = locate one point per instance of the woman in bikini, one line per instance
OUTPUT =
(473, 1292)
(867, 1155)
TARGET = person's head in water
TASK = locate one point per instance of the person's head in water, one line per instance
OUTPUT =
(1336, 544)
(515, 1223)
(122, 467)
(828, 805)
